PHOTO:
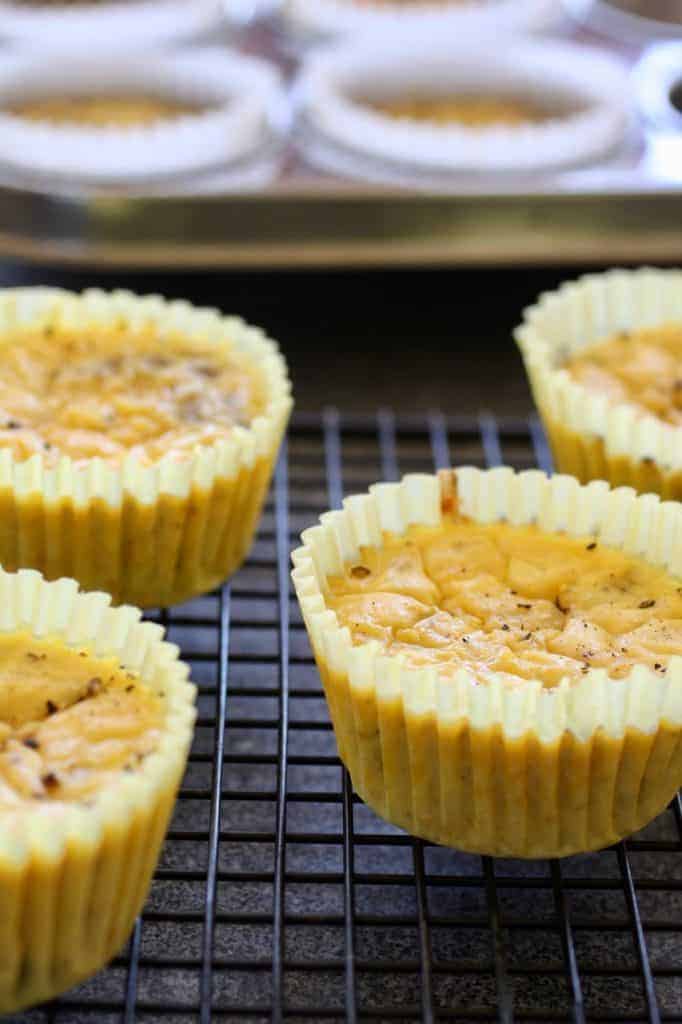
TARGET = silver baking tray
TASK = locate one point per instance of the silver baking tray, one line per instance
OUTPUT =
(627, 209)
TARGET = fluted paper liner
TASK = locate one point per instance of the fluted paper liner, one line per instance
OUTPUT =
(582, 89)
(236, 97)
(518, 771)
(593, 438)
(152, 533)
(74, 878)
(106, 25)
(316, 19)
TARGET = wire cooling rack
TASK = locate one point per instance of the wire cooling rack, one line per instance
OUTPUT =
(280, 896)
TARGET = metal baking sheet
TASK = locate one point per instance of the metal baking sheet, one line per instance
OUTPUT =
(628, 209)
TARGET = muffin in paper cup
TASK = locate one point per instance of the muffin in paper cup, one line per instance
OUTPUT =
(518, 768)
(569, 103)
(154, 524)
(79, 842)
(315, 20)
(106, 24)
(592, 435)
(102, 119)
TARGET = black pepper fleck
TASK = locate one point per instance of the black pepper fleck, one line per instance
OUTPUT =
(51, 707)
(592, 546)
(31, 742)
(50, 781)
(647, 604)
(360, 572)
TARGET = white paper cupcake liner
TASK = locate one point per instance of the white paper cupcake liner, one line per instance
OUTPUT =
(588, 89)
(317, 19)
(242, 95)
(125, 24)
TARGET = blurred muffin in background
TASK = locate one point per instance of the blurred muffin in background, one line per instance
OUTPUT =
(100, 120)
(400, 108)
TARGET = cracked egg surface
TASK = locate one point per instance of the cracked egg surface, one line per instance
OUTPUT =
(70, 722)
(509, 601)
(105, 392)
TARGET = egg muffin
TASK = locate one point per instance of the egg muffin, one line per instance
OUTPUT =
(501, 656)
(137, 440)
(96, 718)
(604, 361)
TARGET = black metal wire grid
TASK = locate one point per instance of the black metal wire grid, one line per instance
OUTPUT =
(280, 896)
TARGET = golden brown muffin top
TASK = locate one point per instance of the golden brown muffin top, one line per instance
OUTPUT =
(642, 368)
(70, 723)
(106, 392)
(509, 601)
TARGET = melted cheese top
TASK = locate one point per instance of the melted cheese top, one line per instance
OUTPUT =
(70, 723)
(129, 111)
(641, 368)
(107, 393)
(510, 601)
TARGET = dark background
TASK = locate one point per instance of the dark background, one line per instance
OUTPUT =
(411, 339)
